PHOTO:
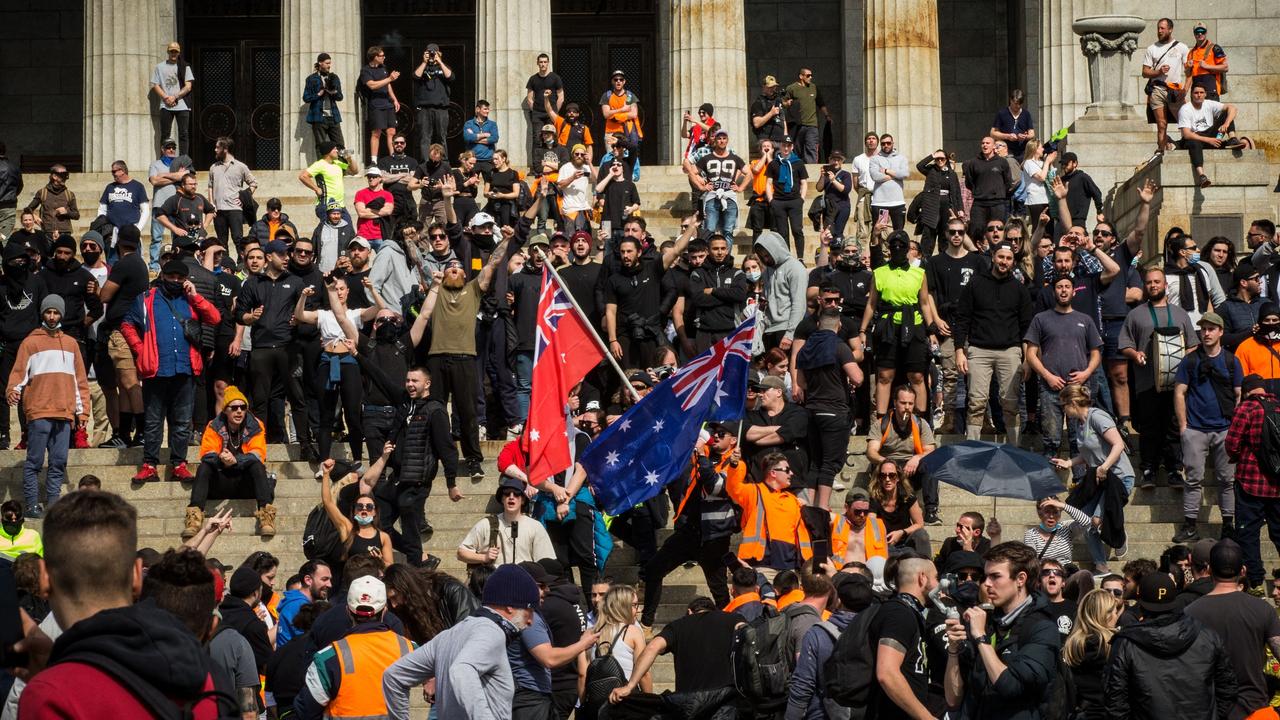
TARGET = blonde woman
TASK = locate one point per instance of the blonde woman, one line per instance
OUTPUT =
(620, 639)
(1087, 648)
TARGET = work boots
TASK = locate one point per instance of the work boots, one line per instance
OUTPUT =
(266, 520)
(194, 521)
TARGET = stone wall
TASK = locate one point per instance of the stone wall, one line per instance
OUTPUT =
(973, 47)
(782, 37)
(41, 71)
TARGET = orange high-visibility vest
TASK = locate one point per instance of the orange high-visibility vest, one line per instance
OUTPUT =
(773, 516)
(743, 599)
(874, 537)
(363, 658)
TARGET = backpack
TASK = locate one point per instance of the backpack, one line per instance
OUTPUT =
(763, 659)
(604, 675)
(850, 673)
(320, 539)
(162, 707)
(834, 710)
(1268, 453)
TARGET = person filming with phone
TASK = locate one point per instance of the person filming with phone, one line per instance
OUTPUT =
(431, 81)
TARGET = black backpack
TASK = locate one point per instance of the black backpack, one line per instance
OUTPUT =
(1268, 452)
(850, 673)
(320, 540)
(604, 675)
(763, 658)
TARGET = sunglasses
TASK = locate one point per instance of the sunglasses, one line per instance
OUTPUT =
(1118, 592)
(886, 476)
(955, 232)
(720, 433)
(994, 227)
(237, 408)
(973, 576)
(1104, 233)
(1052, 572)
(639, 387)
(364, 506)
(831, 301)
(439, 236)
(856, 511)
(509, 493)
(786, 470)
(303, 252)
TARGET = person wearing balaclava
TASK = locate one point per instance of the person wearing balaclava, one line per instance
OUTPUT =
(49, 377)
(1259, 354)
(897, 315)
(21, 292)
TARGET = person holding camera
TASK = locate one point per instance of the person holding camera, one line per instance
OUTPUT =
(431, 81)
(767, 117)
(322, 93)
(187, 211)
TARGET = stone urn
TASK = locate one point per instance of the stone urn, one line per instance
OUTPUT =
(1108, 43)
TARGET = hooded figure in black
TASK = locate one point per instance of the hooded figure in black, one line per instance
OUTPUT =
(66, 277)
(22, 289)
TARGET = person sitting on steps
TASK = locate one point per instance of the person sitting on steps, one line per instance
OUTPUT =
(233, 463)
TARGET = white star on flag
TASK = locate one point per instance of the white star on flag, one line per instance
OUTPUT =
(651, 478)
(534, 435)
(626, 425)
(657, 426)
(611, 458)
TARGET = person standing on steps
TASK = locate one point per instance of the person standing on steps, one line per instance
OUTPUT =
(1205, 394)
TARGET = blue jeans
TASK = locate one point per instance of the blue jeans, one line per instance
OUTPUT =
(43, 435)
(722, 220)
(1051, 417)
(524, 383)
(157, 239)
(1092, 536)
(172, 399)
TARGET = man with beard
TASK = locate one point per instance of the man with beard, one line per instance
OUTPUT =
(674, 285)
(440, 252)
(331, 237)
(373, 206)
(22, 291)
(581, 278)
(1258, 353)
(385, 356)
(633, 296)
(155, 330)
(1155, 336)
(227, 177)
(354, 266)
(716, 291)
(428, 177)
(222, 364)
(66, 277)
(186, 211)
(767, 119)
(398, 173)
(54, 203)
(905, 439)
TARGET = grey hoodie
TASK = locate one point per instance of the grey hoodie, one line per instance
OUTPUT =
(888, 191)
(785, 285)
(469, 663)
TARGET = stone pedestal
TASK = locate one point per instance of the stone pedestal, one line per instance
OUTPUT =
(1064, 74)
(1108, 43)
(123, 42)
(903, 89)
(706, 63)
(509, 36)
(306, 30)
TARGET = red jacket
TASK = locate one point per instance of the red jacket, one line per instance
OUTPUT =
(144, 346)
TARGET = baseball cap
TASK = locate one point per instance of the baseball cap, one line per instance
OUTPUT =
(357, 240)
(1201, 551)
(432, 47)
(1212, 318)
(168, 143)
(175, 267)
(642, 377)
(962, 559)
(275, 246)
(856, 493)
(373, 170)
(720, 132)
(771, 382)
(549, 128)
(770, 81)
(367, 596)
(1199, 28)
(1157, 593)
(617, 73)
(786, 140)
(174, 46)
(1244, 270)
(480, 219)
(1252, 381)
(539, 239)
(537, 572)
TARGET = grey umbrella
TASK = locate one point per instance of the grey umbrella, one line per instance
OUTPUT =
(993, 470)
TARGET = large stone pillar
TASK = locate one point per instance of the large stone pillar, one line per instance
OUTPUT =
(903, 89)
(509, 36)
(706, 60)
(1064, 74)
(123, 42)
(307, 28)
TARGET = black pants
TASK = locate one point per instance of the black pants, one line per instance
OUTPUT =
(404, 502)
(980, 214)
(788, 221)
(575, 543)
(269, 368)
(759, 218)
(215, 480)
(829, 434)
(230, 223)
(635, 527)
(491, 348)
(378, 422)
(455, 376)
(433, 125)
(897, 215)
(1252, 513)
(930, 238)
(7, 357)
(680, 547)
(1158, 440)
(350, 390)
(1195, 148)
(304, 355)
(563, 702)
(327, 131)
(184, 128)
(638, 352)
(531, 705)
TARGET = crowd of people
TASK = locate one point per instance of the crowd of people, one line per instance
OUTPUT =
(389, 341)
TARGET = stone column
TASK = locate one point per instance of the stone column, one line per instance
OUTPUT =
(706, 61)
(123, 42)
(509, 36)
(1108, 43)
(307, 28)
(1064, 75)
(903, 87)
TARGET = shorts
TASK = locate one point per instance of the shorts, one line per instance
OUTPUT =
(1111, 339)
(1162, 96)
(381, 119)
(912, 357)
(119, 352)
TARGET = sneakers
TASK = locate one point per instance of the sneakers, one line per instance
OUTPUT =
(35, 512)
(1121, 551)
(1187, 533)
(193, 522)
(80, 440)
(266, 516)
(4, 442)
(1148, 480)
(514, 432)
(931, 517)
(1204, 181)
(1233, 142)
(22, 444)
(474, 469)
(838, 486)
(1228, 528)
(113, 443)
(134, 442)
(146, 473)
(180, 473)
(1173, 478)
(309, 452)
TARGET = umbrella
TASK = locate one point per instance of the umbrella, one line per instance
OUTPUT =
(994, 470)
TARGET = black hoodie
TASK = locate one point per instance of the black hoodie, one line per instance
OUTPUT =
(564, 609)
(20, 298)
(717, 312)
(71, 284)
(1164, 667)
(993, 313)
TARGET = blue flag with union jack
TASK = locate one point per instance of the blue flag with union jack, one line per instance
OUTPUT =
(651, 444)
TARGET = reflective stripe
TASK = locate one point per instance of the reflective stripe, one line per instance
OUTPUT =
(344, 657)
(405, 647)
(875, 530)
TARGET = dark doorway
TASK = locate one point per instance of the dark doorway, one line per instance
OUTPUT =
(592, 39)
(404, 28)
(234, 50)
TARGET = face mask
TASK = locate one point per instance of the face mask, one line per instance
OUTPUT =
(1268, 333)
(16, 269)
(1045, 529)
(60, 264)
(753, 275)
(90, 258)
(364, 520)
(388, 331)
(898, 254)
(1195, 258)
(171, 288)
(50, 326)
(12, 528)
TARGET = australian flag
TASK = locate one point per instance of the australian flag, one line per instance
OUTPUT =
(650, 445)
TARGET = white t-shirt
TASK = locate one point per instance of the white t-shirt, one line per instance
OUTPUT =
(1176, 59)
(1036, 194)
(862, 164)
(330, 330)
(532, 542)
(577, 196)
(1198, 121)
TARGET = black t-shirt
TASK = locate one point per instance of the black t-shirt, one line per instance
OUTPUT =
(229, 287)
(1244, 623)
(395, 165)
(538, 84)
(618, 194)
(721, 172)
(827, 387)
(130, 273)
(798, 173)
(772, 129)
(566, 619)
(637, 293)
(460, 178)
(432, 174)
(1063, 613)
(701, 645)
(379, 99)
(503, 181)
(793, 427)
(854, 286)
(1112, 299)
(808, 326)
(948, 276)
(900, 624)
(900, 518)
(185, 212)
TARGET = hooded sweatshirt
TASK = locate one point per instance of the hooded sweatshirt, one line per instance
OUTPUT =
(392, 275)
(717, 312)
(71, 284)
(50, 374)
(143, 640)
(784, 287)
(1164, 667)
(806, 689)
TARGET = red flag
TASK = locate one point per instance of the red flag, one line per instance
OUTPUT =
(564, 352)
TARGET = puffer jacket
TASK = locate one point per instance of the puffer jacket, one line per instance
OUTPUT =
(10, 183)
(423, 443)
(1162, 667)
(210, 289)
(785, 285)
(932, 204)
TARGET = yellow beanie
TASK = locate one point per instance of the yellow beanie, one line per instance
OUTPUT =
(232, 394)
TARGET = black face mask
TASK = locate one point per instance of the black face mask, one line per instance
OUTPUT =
(171, 288)
(12, 528)
(90, 258)
(898, 254)
(17, 270)
(390, 330)
(1268, 333)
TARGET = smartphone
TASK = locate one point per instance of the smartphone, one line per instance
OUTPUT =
(884, 216)
(10, 620)
(607, 227)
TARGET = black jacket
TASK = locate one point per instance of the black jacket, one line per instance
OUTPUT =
(423, 441)
(1196, 590)
(989, 180)
(210, 289)
(993, 313)
(277, 298)
(1163, 668)
(933, 204)
(565, 610)
(1030, 649)
(310, 276)
(71, 285)
(525, 286)
(261, 230)
(10, 183)
(237, 615)
(717, 312)
(1088, 677)
(20, 305)
(1081, 190)
(456, 601)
